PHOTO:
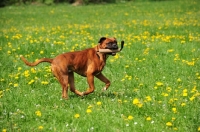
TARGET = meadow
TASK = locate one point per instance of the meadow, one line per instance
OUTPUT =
(155, 80)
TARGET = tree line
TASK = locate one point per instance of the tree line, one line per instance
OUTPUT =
(49, 2)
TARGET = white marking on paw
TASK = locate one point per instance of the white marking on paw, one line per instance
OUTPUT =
(104, 89)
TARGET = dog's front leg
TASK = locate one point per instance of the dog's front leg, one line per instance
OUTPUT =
(90, 80)
(101, 77)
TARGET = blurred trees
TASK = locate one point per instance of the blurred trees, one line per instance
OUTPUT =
(48, 2)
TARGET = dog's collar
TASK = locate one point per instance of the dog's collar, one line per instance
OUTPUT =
(97, 51)
(98, 55)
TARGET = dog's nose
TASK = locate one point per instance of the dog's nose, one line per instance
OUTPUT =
(115, 46)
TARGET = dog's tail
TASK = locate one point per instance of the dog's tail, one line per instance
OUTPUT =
(36, 62)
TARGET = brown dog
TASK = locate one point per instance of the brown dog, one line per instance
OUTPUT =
(87, 63)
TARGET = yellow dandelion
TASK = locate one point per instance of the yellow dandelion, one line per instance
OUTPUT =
(159, 83)
(199, 129)
(169, 124)
(130, 117)
(44, 82)
(179, 80)
(33, 70)
(183, 104)
(173, 118)
(99, 103)
(170, 50)
(9, 52)
(140, 105)
(174, 110)
(32, 81)
(165, 94)
(40, 127)
(19, 68)
(76, 115)
(16, 85)
(191, 63)
(136, 101)
(119, 101)
(90, 106)
(4, 130)
(185, 94)
(38, 113)
(169, 89)
(116, 56)
(192, 98)
(41, 52)
(148, 98)
(89, 111)
(148, 118)
(26, 73)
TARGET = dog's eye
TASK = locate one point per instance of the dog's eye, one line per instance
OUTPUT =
(109, 43)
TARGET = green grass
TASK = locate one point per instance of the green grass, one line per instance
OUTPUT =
(155, 79)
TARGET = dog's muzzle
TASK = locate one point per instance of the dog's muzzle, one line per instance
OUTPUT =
(111, 46)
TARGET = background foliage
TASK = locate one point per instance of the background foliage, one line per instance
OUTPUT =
(49, 2)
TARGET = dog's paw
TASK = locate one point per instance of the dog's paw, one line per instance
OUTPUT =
(104, 89)
(65, 98)
(82, 94)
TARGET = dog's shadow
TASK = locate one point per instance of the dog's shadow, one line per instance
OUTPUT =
(98, 95)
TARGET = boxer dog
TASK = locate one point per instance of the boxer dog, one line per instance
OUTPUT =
(88, 63)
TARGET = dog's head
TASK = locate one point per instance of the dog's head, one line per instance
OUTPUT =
(108, 43)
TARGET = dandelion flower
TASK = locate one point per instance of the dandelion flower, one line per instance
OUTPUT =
(16, 85)
(89, 111)
(148, 118)
(4, 130)
(99, 103)
(38, 113)
(174, 110)
(76, 115)
(40, 127)
(32, 81)
(136, 101)
(159, 83)
(183, 104)
(192, 98)
(130, 117)
(19, 68)
(173, 118)
(169, 124)
(41, 52)
(90, 106)
(148, 98)
(179, 80)
(44, 82)
(140, 105)
(199, 129)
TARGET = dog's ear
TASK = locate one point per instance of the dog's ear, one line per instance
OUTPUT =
(102, 39)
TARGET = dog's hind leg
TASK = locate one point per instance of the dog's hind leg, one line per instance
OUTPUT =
(71, 84)
(63, 79)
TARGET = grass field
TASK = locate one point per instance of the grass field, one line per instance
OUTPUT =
(155, 80)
